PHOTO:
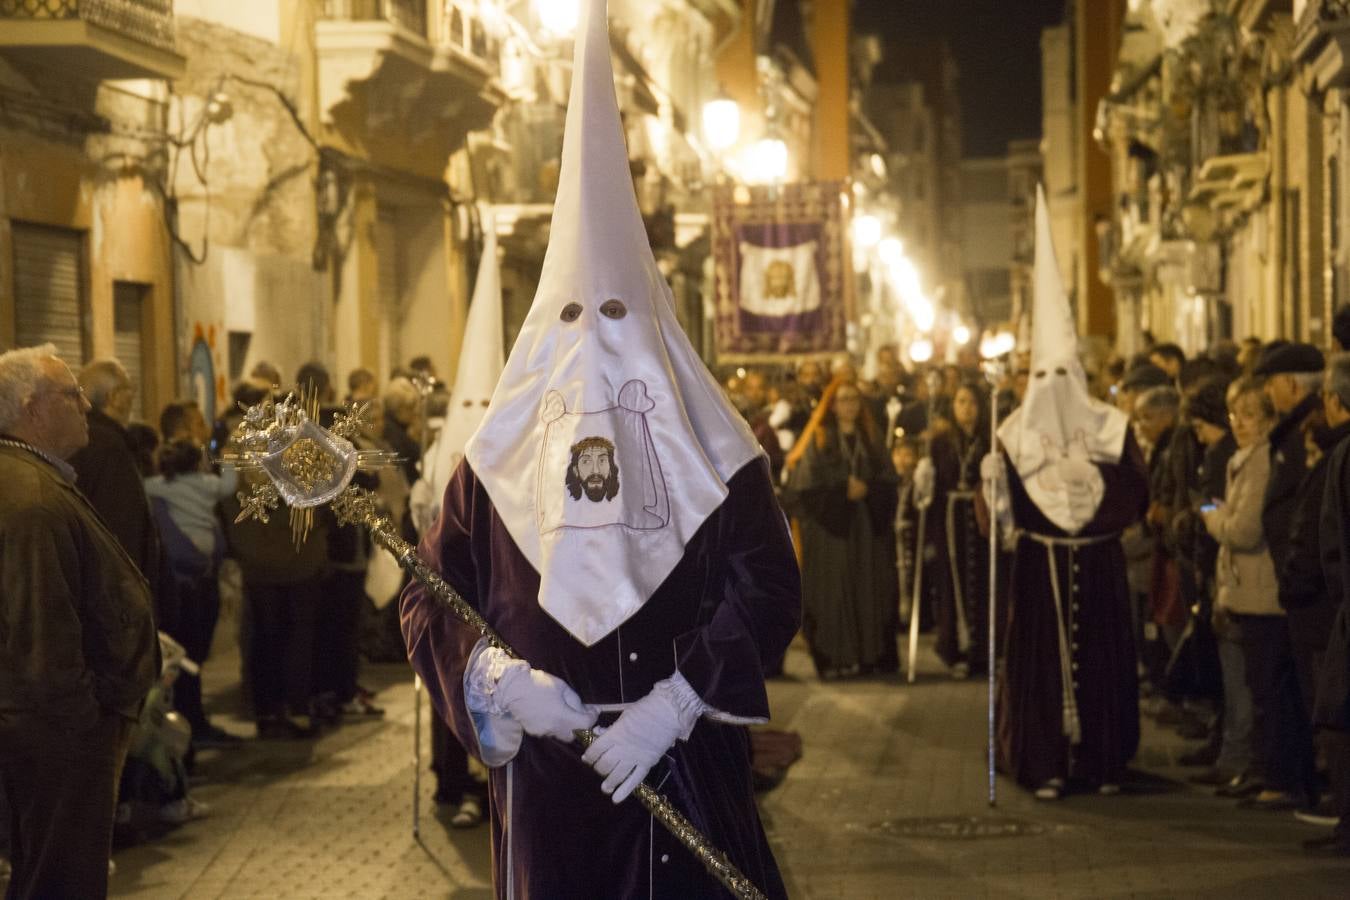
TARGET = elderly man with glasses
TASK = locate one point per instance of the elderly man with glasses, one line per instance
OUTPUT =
(77, 639)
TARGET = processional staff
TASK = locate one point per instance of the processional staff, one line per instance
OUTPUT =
(309, 466)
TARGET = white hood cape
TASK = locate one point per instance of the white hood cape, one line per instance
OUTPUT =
(1058, 418)
(607, 442)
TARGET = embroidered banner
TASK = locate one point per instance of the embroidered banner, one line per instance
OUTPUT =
(781, 285)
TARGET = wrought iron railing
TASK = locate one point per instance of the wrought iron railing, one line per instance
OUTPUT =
(409, 14)
(147, 21)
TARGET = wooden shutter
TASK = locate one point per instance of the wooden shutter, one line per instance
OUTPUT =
(49, 303)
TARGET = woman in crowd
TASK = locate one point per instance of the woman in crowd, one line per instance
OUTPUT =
(1247, 593)
(845, 493)
(184, 498)
(962, 523)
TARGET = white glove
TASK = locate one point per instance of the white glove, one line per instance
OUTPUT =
(925, 479)
(543, 704)
(626, 751)
(991, 468)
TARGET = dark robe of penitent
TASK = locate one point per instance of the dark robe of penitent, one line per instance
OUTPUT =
(1094, 613)
(733, 601)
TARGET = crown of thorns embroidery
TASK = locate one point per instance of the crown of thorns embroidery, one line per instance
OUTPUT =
(593, 471)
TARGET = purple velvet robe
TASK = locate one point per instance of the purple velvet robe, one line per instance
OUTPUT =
(1097, 622)
(733, 602)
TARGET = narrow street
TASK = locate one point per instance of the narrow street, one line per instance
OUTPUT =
(889, 800)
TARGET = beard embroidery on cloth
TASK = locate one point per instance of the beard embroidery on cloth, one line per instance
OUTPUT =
(587, 449)
(593, 471)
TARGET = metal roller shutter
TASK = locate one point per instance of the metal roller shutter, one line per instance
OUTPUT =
(128, 339)
(49, 303)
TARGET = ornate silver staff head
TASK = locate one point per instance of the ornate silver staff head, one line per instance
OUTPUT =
(306, 465)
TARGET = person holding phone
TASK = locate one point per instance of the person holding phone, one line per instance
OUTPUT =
(1247, 589)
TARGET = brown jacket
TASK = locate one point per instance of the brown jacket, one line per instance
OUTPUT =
(77, 633)
(1244, 572)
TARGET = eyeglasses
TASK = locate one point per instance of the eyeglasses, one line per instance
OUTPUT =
(75, 393)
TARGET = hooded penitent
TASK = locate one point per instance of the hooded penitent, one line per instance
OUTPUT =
(480, 366)
(1058, 419)
(607, 443)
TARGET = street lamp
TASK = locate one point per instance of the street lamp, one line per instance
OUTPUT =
(891, 251)
(961, 334)
(921, 350)
(866, 231)
(559, 17)
(767, 161)
(721, 123)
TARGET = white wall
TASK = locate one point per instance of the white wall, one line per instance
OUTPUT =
(259, 18)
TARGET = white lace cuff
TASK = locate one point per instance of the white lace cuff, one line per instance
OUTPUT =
(686, 702)
(499, 735)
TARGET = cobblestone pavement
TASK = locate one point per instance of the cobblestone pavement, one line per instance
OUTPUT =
(888, 801)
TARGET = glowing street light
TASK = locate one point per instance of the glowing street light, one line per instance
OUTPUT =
(766, 161)
(992, 346)
(721, 123)
(559, 17)
(866, 231)
(921, 350)
(892, 251)
(961, 334)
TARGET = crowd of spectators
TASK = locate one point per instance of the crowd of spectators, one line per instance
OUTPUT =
(1237, 572)
(308, 604)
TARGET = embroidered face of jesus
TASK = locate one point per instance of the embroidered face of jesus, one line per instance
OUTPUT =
(778, 279)
(593, 470)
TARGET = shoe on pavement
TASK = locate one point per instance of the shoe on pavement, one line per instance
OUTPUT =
(469, 814)
(182, 810)
(1323, 814)
(1051, 790)
(1243, 785)
(361, 707)
(961, 671)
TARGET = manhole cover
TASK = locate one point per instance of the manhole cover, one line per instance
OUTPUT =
(955, 828)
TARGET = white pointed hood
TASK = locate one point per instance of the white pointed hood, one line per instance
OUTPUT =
(481, 360)
(1058, 418)
(607, 443)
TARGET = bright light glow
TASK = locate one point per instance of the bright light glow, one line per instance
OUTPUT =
(923, 314)
(559, 17)
(878, 165)
(721, 123)
(892, 251)
(961, 334)
(921, 350)
(992, 346)
(766, 161)
(866, 231)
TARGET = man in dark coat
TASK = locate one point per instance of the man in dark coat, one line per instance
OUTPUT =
(1331, 712)
(1293, 377)
(77, 640)
(107, 474)
(613, 520)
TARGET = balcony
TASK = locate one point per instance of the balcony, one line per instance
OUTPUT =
(407, 72)
(1322, 42)
(103, 39)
